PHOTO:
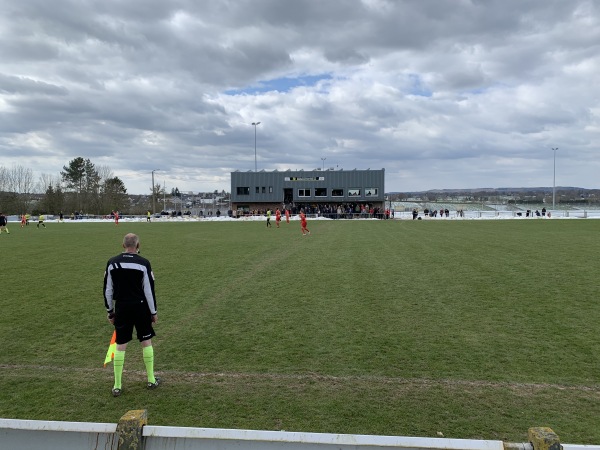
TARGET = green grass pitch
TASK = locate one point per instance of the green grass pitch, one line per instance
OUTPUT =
(472, 329)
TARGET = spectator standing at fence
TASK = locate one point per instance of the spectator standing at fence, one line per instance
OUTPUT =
(131, 303)
(415, 214)
(3, 223)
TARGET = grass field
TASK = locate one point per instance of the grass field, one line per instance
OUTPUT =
(473, 329)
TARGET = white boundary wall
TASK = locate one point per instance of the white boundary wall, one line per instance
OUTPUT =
(40, 434)
(50, 435)
(158, 438)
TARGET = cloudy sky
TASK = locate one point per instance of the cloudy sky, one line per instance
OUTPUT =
(440, 93)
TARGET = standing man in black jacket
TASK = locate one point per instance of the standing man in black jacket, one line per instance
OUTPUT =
(3, 223)
(130, 302)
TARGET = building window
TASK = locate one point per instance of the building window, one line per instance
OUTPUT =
(243, 190)
(320, 192)
(270, 189)
(257, 190)
(354, 192)
(337, 192)
(371, 192)
(303, 192)
(264, 190)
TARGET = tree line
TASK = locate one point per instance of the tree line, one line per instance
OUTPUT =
(81, 187)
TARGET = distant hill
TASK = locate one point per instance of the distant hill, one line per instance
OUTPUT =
(498, 191)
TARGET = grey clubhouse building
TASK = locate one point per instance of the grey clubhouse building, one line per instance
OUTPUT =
(316, 191)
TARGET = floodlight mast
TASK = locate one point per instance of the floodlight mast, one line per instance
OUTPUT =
(554, 181)
(153, 193)
(255, 124)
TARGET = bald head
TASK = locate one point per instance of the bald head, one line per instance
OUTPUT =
(131, 243)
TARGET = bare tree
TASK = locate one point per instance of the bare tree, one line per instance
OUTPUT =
(4, 195)
(45, 181)
(104, 173)
(3, 179)
(23, 180)
(98, 190)
(16, 185)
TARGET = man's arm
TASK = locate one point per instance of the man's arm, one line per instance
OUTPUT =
(148, 284)
(108, 290)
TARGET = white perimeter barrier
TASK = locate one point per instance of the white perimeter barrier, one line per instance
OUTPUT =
(132, 433)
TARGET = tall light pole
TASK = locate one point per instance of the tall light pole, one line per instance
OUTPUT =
(255, 124)
(323, 159)
(554, 181)
(153, 193)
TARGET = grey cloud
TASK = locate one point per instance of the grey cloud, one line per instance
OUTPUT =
(21, 85)
(415, 85)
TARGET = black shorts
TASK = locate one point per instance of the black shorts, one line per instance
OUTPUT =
(129, 316)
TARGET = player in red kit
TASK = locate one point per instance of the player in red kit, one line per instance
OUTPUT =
(303, 228)
(277, 217)
(287, 215)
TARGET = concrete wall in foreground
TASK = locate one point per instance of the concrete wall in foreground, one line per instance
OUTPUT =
(133, 433)
(39, 434)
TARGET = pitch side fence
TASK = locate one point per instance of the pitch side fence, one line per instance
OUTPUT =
(402, 215)
(133, 433)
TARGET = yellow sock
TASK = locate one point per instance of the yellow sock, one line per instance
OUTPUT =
(118, 364)
(148, 353)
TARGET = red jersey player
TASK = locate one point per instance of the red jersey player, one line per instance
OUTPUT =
(303, 228)
(277, 217)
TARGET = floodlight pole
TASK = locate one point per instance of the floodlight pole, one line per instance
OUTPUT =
(554, 181)
(255, 124)
(323, 159)
(153, 193)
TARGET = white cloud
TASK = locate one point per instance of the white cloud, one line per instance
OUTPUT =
(460, 94)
